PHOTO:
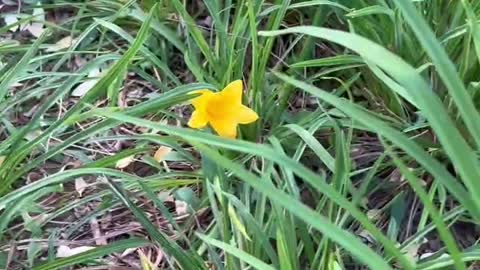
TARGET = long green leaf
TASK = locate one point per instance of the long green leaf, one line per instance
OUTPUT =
(446, 69)
(267, 152)
(8, 78)
(254, 262)
(321, 223)
(95, 253)
(442, 229)
(184, 259)
(454, 144)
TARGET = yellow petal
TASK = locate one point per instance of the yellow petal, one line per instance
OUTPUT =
(201, 101)
(246, 115)
(198, 120)
(224, 127)
(232, 94)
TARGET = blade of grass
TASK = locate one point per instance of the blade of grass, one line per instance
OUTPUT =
(445, 68)
(95, 253)
(8, 78)
(348, 241)
(267, 152)
(442, 229)
(186, 260)
(455, 146)
(254, 262)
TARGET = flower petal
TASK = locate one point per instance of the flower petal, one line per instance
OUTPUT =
(224, 127)
(201, 101)
(246, 115)
(232, 93)
(198, 120)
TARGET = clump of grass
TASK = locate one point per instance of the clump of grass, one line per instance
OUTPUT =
(365, 154)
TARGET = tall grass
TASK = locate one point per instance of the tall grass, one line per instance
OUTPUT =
(289, 193)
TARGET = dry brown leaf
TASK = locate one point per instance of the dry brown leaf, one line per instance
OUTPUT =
(161, 153)
(2, 159)
(124, 162)
(80, 185)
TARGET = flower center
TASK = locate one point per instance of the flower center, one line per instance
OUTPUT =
(219, 108)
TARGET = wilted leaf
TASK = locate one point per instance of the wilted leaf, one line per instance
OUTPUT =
(124, 162)
(84, 87)
(128, 251)
(11, 19)
(65, 251)
(63, 43)
(80, 185)
(181, 207)
(161, 153)
(36, 29)
(32, 135)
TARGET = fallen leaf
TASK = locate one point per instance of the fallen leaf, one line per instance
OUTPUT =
(426, 255)
(63, 43)
(2, 159)
(124, 162)
(11, 19)
(181, 207)
(36, 29)
(80, 185)
(161, 153)
(39, 13)
(84, 87)
(65, 251)
(100, 240)
(32, 135)
(128, 251)
(94, 72)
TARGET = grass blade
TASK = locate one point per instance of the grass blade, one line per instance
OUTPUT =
(95, 253)
(444, 67)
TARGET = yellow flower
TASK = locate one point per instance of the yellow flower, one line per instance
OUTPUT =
(222, 110)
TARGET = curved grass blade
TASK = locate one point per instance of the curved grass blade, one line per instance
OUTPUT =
(95, 253)
(184, 259)
(442, 229)
(446, 262)
(8, 78)
(373, 123)
(242, 255)
(100, 87)
(459, 152)
(319, 222)
(267, 152)
(444, 67)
